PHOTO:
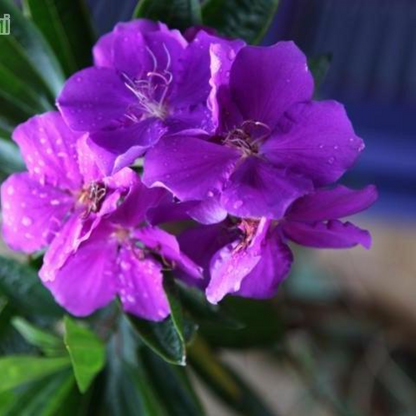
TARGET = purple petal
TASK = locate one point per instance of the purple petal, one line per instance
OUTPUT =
(66, 242)
(225, 113)
(330, 204)
(136, 204)
(315, 139)
(210, 238)
(230, 265)
(258, 189)
(193, 85)
(32, 213)
(93, 99)
(208, 211)
(189, 167)
(135, 52)
(270, 271)
(333, 234)
(48, 147)
(266, 81)
(140, 285)
(87, 281)
(103, 51)
(120, 147)
(87, 162)
(167, 246)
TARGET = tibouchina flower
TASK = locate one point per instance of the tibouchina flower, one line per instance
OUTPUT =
(63, 188)
(250, 258)
(272, 144)
(123, 257)
(147, 80)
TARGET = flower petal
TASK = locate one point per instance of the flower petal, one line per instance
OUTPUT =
(315, 139)
(258, 189)
(66, 242)
(168, 247)
(191, 168)
(140, 285)
(330, 204)
(87, 162)
(262, 282)
(32, 213)
(117, 148)
(225, 113)
(103, 50)
(333, 234)
(87, 281)
(210, 238)
(230, 265)
(137, 202)
(208, 211)
(48, 147)
(93, 99)
(266, 81)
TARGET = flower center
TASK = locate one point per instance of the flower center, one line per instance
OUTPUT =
(150, 90)
(92, 197)
(248, 227)
(248, 137)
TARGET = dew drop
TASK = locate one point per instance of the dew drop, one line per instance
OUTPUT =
(331, 160)
(238, 204)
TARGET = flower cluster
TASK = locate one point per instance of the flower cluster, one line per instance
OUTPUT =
(167, 128)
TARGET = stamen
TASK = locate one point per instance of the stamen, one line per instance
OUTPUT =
(150, 91)
(92, 198)
(245, 138)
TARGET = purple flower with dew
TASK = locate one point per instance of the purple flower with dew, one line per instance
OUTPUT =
(125, 257)
(250, 257)
(147, 81)
(272, 144)
(63, 188)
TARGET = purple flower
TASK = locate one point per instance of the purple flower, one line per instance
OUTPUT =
(123, 257)
(63, 188)
(272, 144)
(147, 80)
(250, 257)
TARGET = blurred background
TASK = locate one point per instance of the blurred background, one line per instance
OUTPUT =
(349, 316)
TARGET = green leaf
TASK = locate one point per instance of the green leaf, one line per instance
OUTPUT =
(86, 351)
(202, 311)
(179, 14)
(261, 325)
(123, 397)
(10, 159)
(185, 327)
(319, 67)
(65, 24)
(19, 369)
(244, 19)
(162, 337)
(43, 398)
(22, 286)
(50, 344)
(19, 92)
(225, 383)
(26, 54)
(171, 384)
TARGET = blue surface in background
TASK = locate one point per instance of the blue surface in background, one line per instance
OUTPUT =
(373, 72)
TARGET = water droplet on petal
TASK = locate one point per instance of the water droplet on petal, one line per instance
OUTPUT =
(238, 204)
(331, 160)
